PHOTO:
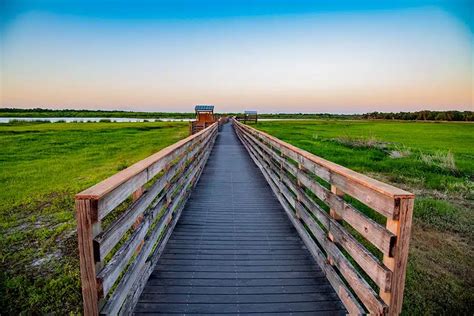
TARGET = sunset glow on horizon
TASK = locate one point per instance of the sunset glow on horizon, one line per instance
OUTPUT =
(311, 57)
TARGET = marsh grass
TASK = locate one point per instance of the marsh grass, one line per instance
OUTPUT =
(436, 162)
(43, 165)
(440, 159)
(361, 142)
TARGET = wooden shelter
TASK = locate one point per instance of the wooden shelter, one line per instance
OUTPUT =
(250, 116)
(204, 117)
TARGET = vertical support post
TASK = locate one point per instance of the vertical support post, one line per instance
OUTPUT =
(138, 193)
(397, 263)
(298, 194)
(333, 213)
(86, 212)
(281, 165)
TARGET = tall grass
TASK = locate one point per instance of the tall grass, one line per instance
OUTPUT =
(436, 162)
(42, 167)
(440, 159)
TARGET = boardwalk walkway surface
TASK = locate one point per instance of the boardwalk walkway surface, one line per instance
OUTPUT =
(234, 250)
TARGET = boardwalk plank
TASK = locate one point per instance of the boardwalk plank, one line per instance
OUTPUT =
(234, 250)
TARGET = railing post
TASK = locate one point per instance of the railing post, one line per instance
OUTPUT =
(86, 212)
(397, 263)
(138, 193)
(298, 194)
(332, 212)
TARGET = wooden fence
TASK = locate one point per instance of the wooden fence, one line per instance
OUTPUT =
(124, 222)
(328, 205)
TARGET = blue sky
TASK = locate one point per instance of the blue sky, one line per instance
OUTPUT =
(309, 56)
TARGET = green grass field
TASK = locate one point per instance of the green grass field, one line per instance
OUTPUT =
(433, 160)
(42, 167)
(45, 164)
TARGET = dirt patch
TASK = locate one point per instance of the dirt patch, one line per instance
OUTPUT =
(439, 262)
(368, 142)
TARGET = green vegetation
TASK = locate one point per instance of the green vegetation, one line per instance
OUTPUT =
(433, 160)
(43, 166)
(406, 116)
(412, 116)
(423, 116)
(38, 113)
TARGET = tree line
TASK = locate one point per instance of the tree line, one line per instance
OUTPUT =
(411, 116)
(423, 116)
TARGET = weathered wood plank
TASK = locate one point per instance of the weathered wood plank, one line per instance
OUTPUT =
(402, 228)
(96, 202)
(105, 242)
(137, 288)
(378, 235)
(85, 208)
(371, 192)
(168, 221)
(121, 293)
(111, 271)
(114, 190)
(380, 274)
(367, 261)
(345, 295)
(357, 283)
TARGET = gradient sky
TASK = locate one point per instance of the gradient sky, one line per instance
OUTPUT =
(272, 56)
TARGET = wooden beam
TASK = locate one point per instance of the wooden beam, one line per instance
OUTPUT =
(376, 194)
(138, 193)
(271, 156)
(398, 263)
(86, 209)
(101, 189)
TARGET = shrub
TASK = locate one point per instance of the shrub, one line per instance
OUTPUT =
(440, 159)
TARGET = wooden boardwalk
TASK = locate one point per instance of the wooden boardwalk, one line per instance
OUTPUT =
(234, 249)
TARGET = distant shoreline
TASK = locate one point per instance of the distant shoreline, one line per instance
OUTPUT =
(48, 114)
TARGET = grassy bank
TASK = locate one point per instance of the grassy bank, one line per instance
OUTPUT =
(433, 160)
(39, 113)
(413, 116)
(43, 166)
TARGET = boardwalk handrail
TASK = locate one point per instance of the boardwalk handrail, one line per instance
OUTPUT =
(320, 198)
(139, 207)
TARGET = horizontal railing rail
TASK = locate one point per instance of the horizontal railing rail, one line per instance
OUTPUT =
(363, 258)
(124, 222)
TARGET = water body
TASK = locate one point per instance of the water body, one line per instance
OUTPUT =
(97, 119)
(86, 119)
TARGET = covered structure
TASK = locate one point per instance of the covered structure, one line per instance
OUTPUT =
(250, 116)
(204, 118)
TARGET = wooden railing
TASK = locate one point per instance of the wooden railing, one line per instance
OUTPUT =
(124, 222)
(320, 198)
(196, 126)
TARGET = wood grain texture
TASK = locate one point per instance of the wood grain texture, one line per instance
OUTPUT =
(402, 228)
(290, 183)
(376, 194)
(154, 213)
(234, 250)
(179, 163)
(335, 256)
(105, 242)
(84, 209)
(101, 189)
(349, 301)
(378, 235)
(166, 224)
